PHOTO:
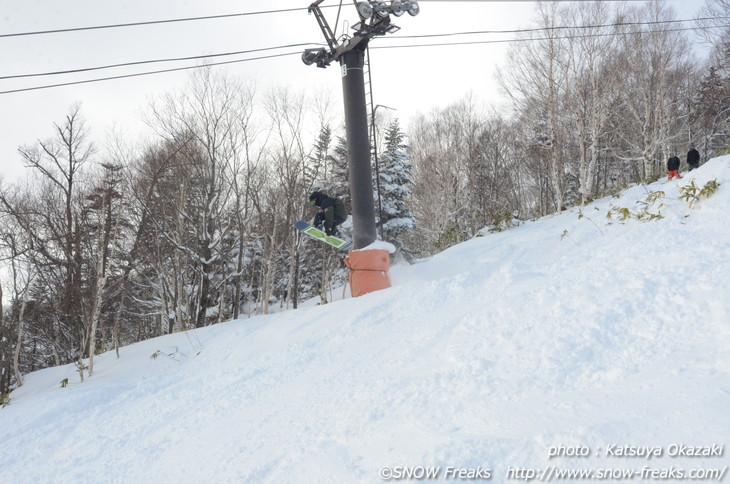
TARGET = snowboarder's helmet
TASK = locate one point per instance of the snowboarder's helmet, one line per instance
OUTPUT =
(314, 198)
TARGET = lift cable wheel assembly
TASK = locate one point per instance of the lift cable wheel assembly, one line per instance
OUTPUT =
(376, 11)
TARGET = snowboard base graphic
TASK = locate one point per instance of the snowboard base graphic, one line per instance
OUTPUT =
(312, 231)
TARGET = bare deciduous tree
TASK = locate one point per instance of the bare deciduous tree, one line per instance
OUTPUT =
(209, 113)
(649, 61)
(535, 78)
(54, 228)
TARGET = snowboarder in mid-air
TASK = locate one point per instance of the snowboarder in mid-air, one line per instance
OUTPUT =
(673, 167)
(332, 212)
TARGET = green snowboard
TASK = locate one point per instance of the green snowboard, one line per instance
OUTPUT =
(312, 231)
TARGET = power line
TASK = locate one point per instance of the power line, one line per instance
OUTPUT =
(530, 39)
(152, 61)
(215, 17)
(540, 29)
(473, 42)
(124, 76)
(155, 22)
(488, 32)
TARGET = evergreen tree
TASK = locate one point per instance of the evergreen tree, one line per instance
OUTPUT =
(337, 183)
(317, 167)
(395, 175)
(712, 105)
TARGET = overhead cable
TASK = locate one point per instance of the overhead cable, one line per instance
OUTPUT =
(422, 36)
(540, 29)
(473, 42)
(124, 76)
(530, 39)
(154, 22)
(152, 61)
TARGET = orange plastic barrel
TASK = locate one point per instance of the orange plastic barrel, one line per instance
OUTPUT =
(369, 271)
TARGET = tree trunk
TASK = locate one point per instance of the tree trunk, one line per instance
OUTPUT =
(292, 285)
(19, 344)
(268, 282)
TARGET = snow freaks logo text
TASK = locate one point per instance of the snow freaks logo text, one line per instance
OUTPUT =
(418, 473)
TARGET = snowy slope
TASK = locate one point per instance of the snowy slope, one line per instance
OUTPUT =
(566, 331)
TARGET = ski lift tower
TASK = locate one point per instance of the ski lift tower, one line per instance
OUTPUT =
(374, 21)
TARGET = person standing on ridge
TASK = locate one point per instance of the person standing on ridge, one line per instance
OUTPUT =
(693, 158)
(332, 212)
(673, 167)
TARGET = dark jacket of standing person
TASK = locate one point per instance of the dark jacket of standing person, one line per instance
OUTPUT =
(673, 167)
(673, 163)
(333, 212)
(693, 158)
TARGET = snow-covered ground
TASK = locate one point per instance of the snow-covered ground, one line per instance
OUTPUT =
(565, 335)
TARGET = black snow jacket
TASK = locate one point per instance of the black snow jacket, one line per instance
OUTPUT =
(673, 163)
(333, 209)
(693, 157)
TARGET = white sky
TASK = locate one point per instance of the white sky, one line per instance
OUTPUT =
(406, 79)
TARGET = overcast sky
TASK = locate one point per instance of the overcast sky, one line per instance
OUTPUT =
(406, 79)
